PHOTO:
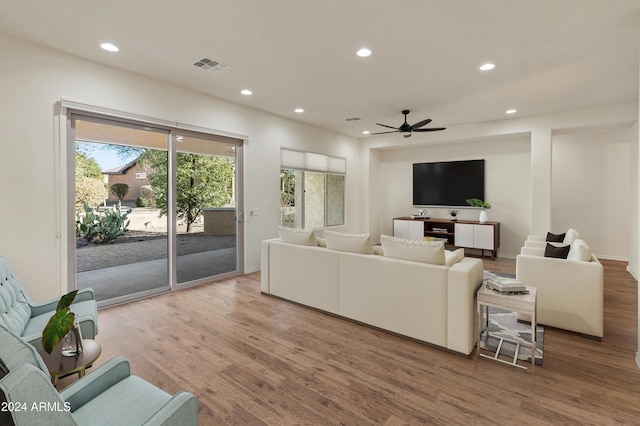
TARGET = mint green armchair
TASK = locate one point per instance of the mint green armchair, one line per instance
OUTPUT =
(27, 319)
(109, 395)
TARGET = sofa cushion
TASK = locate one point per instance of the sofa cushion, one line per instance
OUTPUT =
(453, 257)
(413, 250)
(352, 243)
(555, 238)
(298, 236)
(559, 252)
(579, 251)
(570, 236)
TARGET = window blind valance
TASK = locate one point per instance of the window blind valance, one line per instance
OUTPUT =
(300, 160)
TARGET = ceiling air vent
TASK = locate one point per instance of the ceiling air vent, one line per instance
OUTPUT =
(210, 65)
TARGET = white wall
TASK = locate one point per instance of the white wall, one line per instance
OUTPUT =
(590, 188)
(507, 185)
(34, 79)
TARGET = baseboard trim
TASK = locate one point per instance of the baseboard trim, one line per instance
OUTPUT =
(251, 270)
(633, 273)
(616, 258)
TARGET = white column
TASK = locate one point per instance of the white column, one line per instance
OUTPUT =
(540, 180)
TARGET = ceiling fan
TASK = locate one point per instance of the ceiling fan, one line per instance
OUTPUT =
(406, 129)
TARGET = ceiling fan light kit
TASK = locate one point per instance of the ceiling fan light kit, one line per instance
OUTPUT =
(407, 129)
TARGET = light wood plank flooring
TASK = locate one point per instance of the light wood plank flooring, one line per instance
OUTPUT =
(254, 359)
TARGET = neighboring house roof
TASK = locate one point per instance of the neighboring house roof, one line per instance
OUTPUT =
(120, 170)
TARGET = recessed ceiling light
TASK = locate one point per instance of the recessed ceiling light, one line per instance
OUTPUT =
(109, 47)
(366, 132)
(511, 111)
(364, 52)
(246, 92)
(299, 110)
(486, 67)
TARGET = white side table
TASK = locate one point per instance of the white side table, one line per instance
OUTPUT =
(522, 303)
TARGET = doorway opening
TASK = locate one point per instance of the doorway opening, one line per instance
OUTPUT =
(154, 208)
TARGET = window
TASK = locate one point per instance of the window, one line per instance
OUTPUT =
(312, 190)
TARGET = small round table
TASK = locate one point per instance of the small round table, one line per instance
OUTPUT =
(60, 366)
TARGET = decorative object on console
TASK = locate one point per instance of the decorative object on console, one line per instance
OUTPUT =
(454, 214)
(476, 202)
(422, 214)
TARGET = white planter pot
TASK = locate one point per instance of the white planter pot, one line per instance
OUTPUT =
(484, 218)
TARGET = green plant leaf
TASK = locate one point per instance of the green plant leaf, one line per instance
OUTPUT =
(58, 326)
(66, 300)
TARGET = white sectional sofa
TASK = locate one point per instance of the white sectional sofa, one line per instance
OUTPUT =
(570, 291)
(428, 302)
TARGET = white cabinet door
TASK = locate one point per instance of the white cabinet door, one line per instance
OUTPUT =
(400, 228)
(464, 235)
(415, 230)
(483, 237)
(410, 229)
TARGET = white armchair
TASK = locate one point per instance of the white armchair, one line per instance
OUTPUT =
(570, 292)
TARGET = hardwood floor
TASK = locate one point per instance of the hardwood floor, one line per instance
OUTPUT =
(254, 359)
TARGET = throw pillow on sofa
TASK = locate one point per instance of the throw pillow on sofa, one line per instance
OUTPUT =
(571, 236)
(453, 257)
(352, 243)
(301, 237)
(555, 238)
(559, 252)
(416, 251)
(579, 251)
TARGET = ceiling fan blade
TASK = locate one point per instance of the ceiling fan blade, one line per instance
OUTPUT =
(384, 125)
(382, 133)
(432, 129)
(421, 123)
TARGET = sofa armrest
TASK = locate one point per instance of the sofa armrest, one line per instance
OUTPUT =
(532, 251)
(181, 410)
(464, 280)
(93, 384)
(535, 243)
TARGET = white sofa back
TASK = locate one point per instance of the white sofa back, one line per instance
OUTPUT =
(432, 303)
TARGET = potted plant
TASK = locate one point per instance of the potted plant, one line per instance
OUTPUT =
(476, 202)
(454, 214)
(61, 324)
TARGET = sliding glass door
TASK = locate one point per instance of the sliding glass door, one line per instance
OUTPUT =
(154, 209)
(206, 207)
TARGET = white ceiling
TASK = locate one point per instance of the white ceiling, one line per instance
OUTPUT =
(550, 55)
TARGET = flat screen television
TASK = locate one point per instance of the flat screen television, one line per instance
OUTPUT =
(447, 183)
